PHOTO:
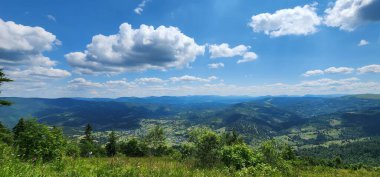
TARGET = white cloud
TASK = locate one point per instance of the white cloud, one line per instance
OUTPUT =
(83, 83)
(136, 50)
(247, 57)
(51, 17)
(328, 82)
(331, 70)
(369, 69)
(335, 70)
(21, 52)
(149, 80)
(346, 14)
(224, 50)
(363, 42)
(140, 8)
(19, 38)
(38, 72)
(297, 21)
(187, 78)
(81, 87)
(216, 65)
(313, 73)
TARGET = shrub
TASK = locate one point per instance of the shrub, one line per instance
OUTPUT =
(155, 142)
(72, 149)
(260, 170)
(5, 135)
(238, 156)
(187, 150)
(132, 148)
(208, 144)
(39, 142)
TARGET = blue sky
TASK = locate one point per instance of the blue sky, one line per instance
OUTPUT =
(168, 47)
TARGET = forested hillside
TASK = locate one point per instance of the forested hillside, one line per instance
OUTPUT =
(305, 123)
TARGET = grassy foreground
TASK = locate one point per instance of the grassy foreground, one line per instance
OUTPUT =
(146, 166)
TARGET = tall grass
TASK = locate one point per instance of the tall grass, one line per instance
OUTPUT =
(118, 166)
(144, 167)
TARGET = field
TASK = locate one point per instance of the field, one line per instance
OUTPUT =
(146, 166)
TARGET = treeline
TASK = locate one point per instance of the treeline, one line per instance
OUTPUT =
(34, 142)
(352, 155)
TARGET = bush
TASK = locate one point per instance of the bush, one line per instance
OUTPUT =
(208, 145)
(39, 142)
(72, 149)
(238, 156)
(260, 170)
(132, 148)
(155, 142)
(5, 135)
(187, 150)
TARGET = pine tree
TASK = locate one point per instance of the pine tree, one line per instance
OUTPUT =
(88, 133)
(39, 142)
(87, 145)
(111, 145)
(3, 78)
(19, 128)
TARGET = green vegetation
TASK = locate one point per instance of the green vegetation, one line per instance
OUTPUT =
(39, 150)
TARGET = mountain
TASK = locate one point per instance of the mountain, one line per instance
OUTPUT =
(302, 121)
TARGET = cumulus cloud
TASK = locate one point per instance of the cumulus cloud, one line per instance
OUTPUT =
(149, 80)
(351, 85)
(140, 8)
(297, 21)
(328, 82)
(248, 57)
(216, 65)
(83, 83)
(335, 70)
(349, 14)
(331, 70)
(187, 78)
(313, 73)
(224, 50)
(369, 69)
(136, 50)
(38, 72)
(21, 52)
(19, 38)
(363, 42)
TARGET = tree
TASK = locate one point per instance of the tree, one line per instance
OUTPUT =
(88, 133)
(19, 128)
(208, 145)
(288, 153)
(155, 141)
(3, 79)
(238, 156)
(72, 149)
(187, 150)
(87, 145)
(111, 145)
(39, 142)
(5, 135)
(132, 148)
(231, 138)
